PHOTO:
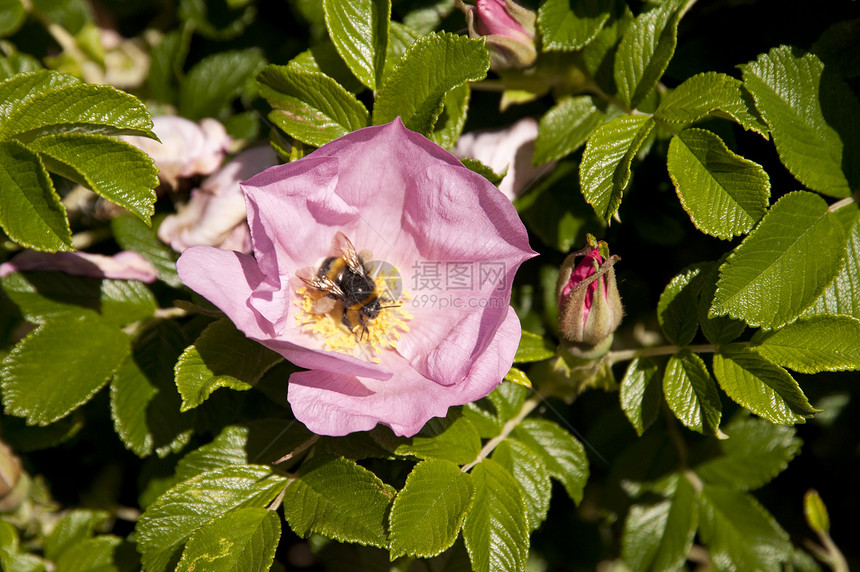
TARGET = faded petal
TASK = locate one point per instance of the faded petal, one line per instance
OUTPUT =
(508, 151)
(186, 148)
(216, 215)
(125, 265)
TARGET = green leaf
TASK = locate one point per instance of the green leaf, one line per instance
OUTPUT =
(58, 105)
(565, 127)
(842, 296)
(783, 265)
(133, 234)
(483, 419)
(811, 116)
(518, 377)
(496, 530)
(324, 58)
(691, 393)
(457, 441)
(762, 387)
(359, 31)
(97, 554)
(339, 499)
(215, 81)
(676, 310)
(451, 121)
(23, 88)
(755, 452)
(143, 398)
(718, 329)
(12, 14)
(257, 441)
(166, 63)
(533, 348)
(32, 214)
(508, 399)
(428, 512)
(167, 523)
(221, 357)
(605, 169)
(562, 454)
(530, 473)
(483, 170)
(59, 366)
(640, 393)
(659, 535)
(310, 106)
(43, 296)
(724, 194)
(645, 51)
(570, 26)
(710, 94)
(811, 345)
(416, 95)
(115, 170)
(10, 556)
(243, 539)
(73, 527)
(739, 533)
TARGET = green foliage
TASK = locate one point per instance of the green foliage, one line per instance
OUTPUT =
(221, 357)
(792, 93)
(691, 393)
(418, 98)
(53, 122)
(310, 106)
(724, 194)
(734, 276)
(195, 504)
(336, 497)
(566, 26)
(779, 270)
(605, 169)
(359, 31)
(436, 493)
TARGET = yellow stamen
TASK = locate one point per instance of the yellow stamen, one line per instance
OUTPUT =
(383, 332)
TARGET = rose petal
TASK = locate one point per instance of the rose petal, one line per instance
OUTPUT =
(125, 265)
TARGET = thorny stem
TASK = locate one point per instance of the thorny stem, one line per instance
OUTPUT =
(509, 426)
(841, 203)
(829, 553)
(626, 355)
(298, 450)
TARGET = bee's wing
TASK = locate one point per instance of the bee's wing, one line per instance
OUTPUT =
(346, 250)
(310, 277)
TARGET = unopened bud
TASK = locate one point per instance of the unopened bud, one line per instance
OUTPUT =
(509, 29)
(588, 301)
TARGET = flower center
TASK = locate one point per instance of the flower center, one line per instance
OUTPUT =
(351, 332)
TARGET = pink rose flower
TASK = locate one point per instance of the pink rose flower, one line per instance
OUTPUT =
(443, 334)
(509, 29)
(125, 265)
(215, 215)
(589, 305)
(186, 148)
(508, 151)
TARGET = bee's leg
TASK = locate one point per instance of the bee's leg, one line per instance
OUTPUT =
(345, 319)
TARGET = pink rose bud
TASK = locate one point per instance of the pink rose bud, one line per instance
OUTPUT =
(588, 301)
(509, 29)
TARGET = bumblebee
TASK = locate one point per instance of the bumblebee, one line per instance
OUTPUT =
(346, 279)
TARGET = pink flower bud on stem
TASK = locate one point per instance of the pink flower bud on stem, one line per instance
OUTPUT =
(509, 29)
(588, 301)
